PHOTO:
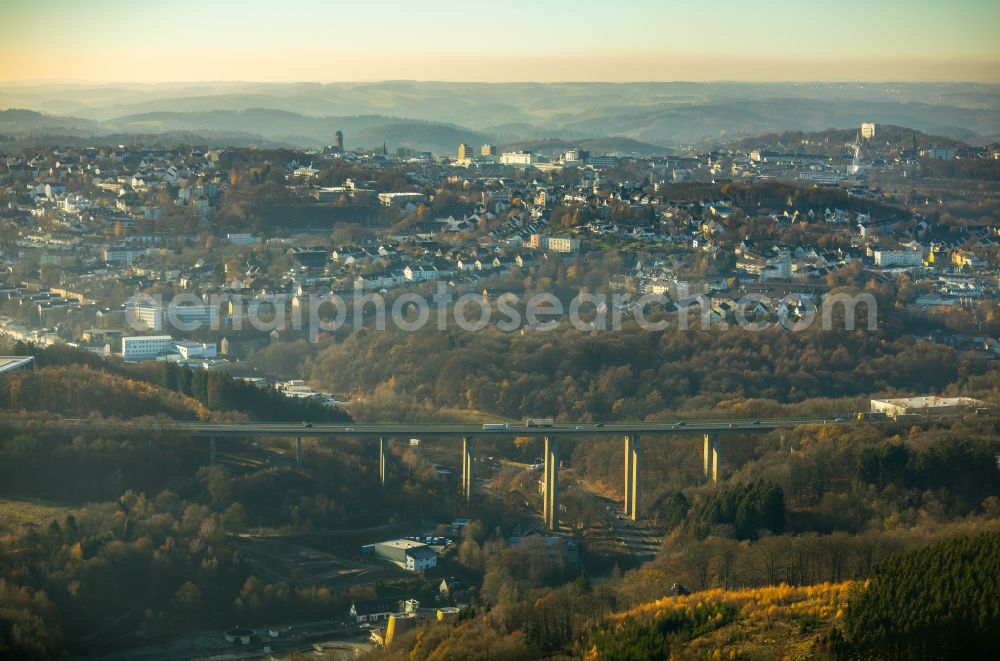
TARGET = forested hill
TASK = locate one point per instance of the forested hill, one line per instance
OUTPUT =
(78, 391)
(631, 373)
(893, 138)
(73, 383)
(934, 603)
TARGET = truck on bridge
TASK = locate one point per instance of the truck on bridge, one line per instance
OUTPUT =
(496, 426)
(539, 422)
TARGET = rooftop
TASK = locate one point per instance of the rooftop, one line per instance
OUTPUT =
(930, 402)
(8, 363)
(405, 544)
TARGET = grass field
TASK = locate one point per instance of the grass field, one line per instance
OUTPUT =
(16, 512)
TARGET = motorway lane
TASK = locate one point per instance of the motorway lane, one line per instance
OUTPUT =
(397, 429)
(639, 542)
(437, 429)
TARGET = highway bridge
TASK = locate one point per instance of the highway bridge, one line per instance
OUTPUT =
(711, 431)
(372, 430)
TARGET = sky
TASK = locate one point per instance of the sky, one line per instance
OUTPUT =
(153, 41)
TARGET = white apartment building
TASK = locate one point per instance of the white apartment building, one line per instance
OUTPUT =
(123, 254)
(886, 258)
(154, 317)
(554, 243)
(241, 238)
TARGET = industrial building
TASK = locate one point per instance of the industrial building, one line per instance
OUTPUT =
(925, 405)
(407, 553)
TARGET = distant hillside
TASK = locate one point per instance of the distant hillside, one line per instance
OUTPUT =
(17, 121)
(421, 136)
(600, 146)
(669, 114)
(673, 124)
(253, 126)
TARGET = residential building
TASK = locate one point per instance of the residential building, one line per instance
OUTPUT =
(554, 243)
(888, 258)
(123, 254)
(241, 239)
(867, 130)
(373, 610)
(184, 317)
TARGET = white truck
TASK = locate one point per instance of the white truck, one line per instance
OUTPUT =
(496, 426)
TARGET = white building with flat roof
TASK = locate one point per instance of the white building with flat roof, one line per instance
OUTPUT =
(183, 317)
(146, 347)
(518, 158)
(886, 258)
(153, 347)
(191, 350)
(407, 553)
(932, 405)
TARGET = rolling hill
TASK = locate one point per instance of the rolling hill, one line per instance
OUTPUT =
(436, 116)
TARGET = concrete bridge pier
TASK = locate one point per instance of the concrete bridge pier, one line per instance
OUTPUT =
(713, 458)
(632, 476)
(467, 467)
(381, 460)
(298, 454)
(551, 496)
(211, 450)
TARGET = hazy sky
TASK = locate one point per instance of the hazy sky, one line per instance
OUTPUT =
(499, 40)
